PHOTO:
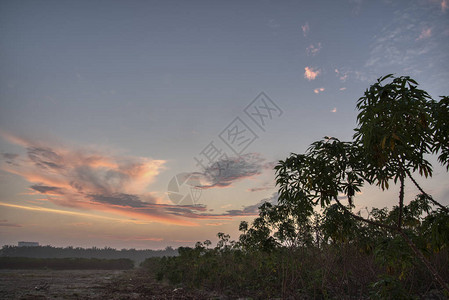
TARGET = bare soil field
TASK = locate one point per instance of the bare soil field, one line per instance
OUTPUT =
(89, 284)
(48, 284)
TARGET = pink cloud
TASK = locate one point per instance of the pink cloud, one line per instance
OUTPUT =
(318, 90)
(334, 110)
(313, 50)
(91, 180)
(305, 29)
(425, 33)
(342, 75)
(444, 5)
(311, 73)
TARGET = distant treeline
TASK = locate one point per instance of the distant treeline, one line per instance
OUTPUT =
(65, 263)
(70, 252)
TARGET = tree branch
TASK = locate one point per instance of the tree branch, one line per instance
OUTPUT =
(401, 198)
(426, 262)
(425, 194)
(375, 223)
(410, 243)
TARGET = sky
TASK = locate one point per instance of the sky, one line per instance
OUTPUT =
(111, 112)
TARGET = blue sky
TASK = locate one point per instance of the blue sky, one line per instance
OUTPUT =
(102, 103)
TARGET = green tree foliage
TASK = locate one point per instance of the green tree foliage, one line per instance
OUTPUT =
(291, 250)
(398, 125)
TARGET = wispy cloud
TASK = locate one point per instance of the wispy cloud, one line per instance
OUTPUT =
(342, 75)
(305, 29)
(357, 6)
(134, 238)
(313, 50)
(88, 179)
(215, 224)
(334, 110)
(425, 33)
(311, 73)
(318, 90)
(10, 158)
(266, 187)
(412, 47)
(226, 171)
(5, 223)
(253, 210)
(444, 5)
(60, 211)
(273, 24)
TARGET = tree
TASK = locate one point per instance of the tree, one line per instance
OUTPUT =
(399, 125)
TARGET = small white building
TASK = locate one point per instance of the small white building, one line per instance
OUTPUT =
(28, 244)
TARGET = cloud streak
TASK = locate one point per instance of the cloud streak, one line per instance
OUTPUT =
(87, 179)
(134, 238)
(5, 223)
(253, 210)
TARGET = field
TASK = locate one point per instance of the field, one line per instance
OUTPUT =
(45, 284)
(87, 284)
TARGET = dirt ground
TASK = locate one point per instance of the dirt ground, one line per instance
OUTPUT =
(48, 284)
(89, 284)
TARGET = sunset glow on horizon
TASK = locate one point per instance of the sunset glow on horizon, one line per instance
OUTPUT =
(149, 124)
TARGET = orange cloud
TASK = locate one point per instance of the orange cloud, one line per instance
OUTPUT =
(90, 180)
(319, 90)
(334, 110)
(311, 73)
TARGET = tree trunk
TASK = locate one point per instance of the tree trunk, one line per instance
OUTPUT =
(401, 199)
